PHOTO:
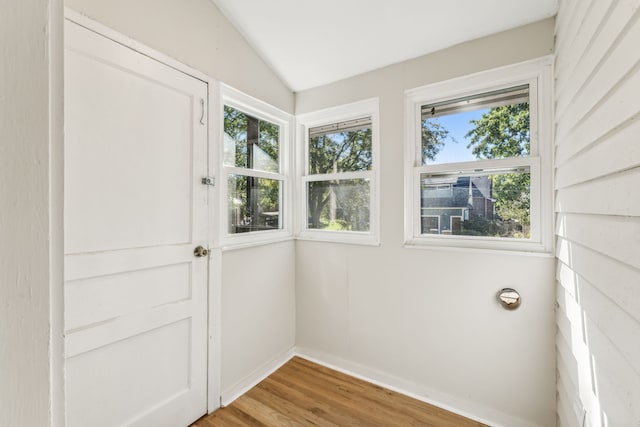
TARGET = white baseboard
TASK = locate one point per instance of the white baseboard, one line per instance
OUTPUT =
(251, 380)
(466, 409)
(418, 392)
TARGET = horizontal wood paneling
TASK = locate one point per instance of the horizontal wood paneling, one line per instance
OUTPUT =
(597, 162)
(601, 33)
(571, 348)
(598, 212)
(566, 410)
(566, 362)
(567, 43)
(604, 367)
(615, 236)
(608, 316)
(616, 194)
(619, 106)
(618, 281)
(617, 385)
(568, 59)
(609, 74)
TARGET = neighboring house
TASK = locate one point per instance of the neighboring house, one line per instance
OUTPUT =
(447, 202)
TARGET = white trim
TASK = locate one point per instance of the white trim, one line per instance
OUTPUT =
(215, 196)
(399, 385)
(411, 389)
(215, 331)
(537, 73)
(240, 246)
(255, 377)
(334, 236)
(56, 213)
(340, 176)
(254, 173)
(342, 113)
(258, 238)
(111, 34)
(478, 166)
(474, 250)
(261, 110)
(214, 371)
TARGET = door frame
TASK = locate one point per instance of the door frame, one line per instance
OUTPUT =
(214, 276)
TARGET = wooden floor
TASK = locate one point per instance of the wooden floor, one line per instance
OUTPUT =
(302, 393)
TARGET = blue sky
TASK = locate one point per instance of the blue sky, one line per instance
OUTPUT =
(458, 125)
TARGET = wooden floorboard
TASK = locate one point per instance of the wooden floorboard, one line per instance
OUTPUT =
(302, 393)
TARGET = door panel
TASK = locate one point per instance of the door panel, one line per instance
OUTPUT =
(123, 112)
(135, 295)
(125, 389)
(96, 299)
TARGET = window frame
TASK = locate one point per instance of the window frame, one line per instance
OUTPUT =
(329, 116)
(538, 75)
(261, 110)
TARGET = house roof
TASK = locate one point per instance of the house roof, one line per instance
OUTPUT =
(310, 43)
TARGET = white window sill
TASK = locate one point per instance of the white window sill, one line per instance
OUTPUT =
(475, 244)
(260, 238)
(349, 238)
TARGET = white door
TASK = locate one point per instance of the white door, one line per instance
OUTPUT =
(135, 209)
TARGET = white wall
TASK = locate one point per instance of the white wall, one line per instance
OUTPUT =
(598, 212)
(30, 220)
(195, 33)
(258, 313)
(427, 320)
(258, 305)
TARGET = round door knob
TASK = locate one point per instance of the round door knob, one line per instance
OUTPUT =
(201, 252)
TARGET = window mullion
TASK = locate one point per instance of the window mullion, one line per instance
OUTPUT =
(478, 165)
(339, 176)
(232, 170)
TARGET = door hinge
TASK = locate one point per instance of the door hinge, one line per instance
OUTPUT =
(209, 180)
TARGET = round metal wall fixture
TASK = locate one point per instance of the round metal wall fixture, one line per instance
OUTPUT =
(509, 298)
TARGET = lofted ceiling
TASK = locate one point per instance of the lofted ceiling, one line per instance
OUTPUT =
(309, 43)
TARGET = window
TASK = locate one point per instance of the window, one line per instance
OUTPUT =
(338, 177)
(254, 163)
(478, 164)
(430, 224)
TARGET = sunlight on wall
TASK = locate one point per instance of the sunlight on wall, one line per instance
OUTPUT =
(587, 404)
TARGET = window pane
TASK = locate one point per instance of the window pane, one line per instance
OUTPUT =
(338, 205)
(493, 204)
(340, 151)
(489, 126)
(254, 204)
(250, 142)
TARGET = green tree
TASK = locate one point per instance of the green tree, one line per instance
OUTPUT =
(434, 136)
(500, 133)
(251, 196)
(348, 151)
(236, 125)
